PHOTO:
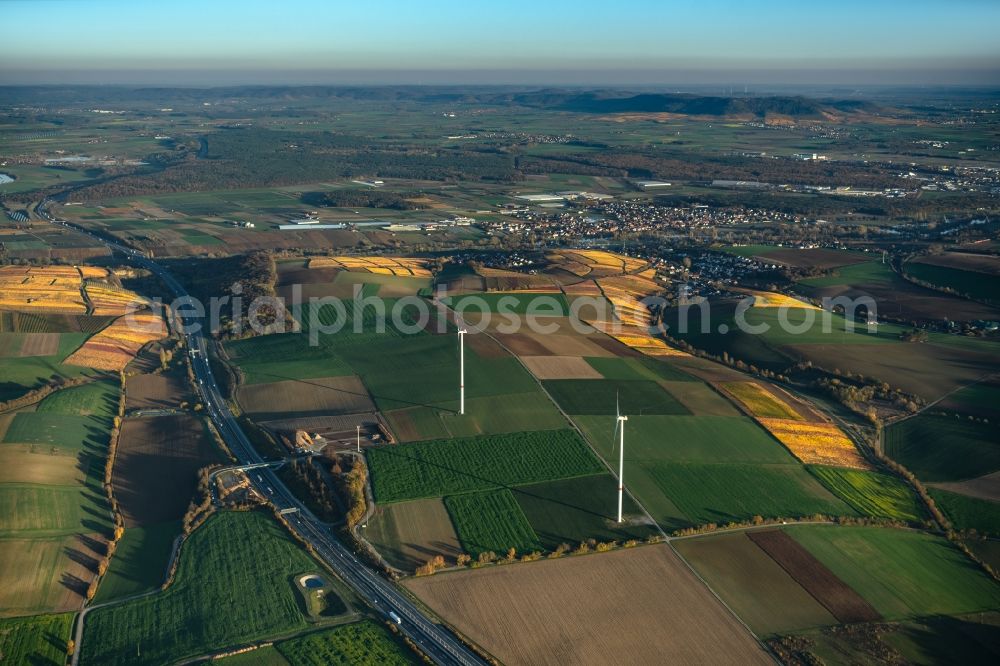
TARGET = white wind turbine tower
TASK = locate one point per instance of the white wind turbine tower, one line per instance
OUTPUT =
(461, 370)
(620, 432)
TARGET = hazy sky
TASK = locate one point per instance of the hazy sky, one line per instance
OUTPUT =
(504, 41)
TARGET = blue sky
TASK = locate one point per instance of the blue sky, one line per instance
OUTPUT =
(49, 40)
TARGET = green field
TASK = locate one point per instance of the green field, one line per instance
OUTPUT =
(637, 369)
(978, 286)
(685, 439)
(871, 493)
(541, 305)
(140, 561)
(491, 521)
(28, 509)
(40, 640)
(574, 510)
(221, 597)
(444, 467)
(968, 513)
(22, 374)
(358, 644)
(720, 493)
(902, 573)
(940, 448)
(598, 396)
(98, 399)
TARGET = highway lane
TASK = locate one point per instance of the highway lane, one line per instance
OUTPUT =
(433, 639)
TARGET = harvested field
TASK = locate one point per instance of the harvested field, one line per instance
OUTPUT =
(410, 533)
(45, 574)
(560, 367)
(162, 391)
(645, 601)
(752, 584)
(39, 344)
(31, 463)
(834, 594)
(156, 466)
(484, 346)
(700, 399)
(985, 487)
(306, 397)
(530, 343)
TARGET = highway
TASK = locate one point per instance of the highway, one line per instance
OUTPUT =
(435, 641)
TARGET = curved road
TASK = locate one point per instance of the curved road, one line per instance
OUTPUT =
(436, 641)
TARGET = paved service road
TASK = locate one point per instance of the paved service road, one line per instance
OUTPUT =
(434, 640)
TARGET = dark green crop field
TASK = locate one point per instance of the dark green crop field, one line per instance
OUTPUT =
(443, 467)
(491, 521)
(941, 448)
(598, 396)
(222, 596)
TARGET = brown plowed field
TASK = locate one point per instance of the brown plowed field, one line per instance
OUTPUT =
(408, 534)
(325, 395)
(560, 367)
(156, 466)
(978, 263)
(834, 594)
(484, 346)
(818, 257)
(983, 487)
(163, 391)
(637, 606)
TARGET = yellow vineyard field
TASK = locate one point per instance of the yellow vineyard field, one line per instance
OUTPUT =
(376, 265)
(594, 262)
(118, 343)
(759, 401)
(42, 289)
(771, 299)
(816, 443)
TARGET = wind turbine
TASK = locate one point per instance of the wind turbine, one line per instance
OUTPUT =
(461, 370)
(620, 432)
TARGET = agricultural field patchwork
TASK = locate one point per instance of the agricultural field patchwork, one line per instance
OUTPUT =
(756, 587)
(901, 573)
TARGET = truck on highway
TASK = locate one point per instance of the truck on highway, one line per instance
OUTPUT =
(395, 617)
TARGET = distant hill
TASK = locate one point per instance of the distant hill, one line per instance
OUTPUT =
(556, 99)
